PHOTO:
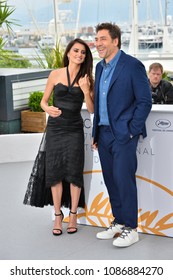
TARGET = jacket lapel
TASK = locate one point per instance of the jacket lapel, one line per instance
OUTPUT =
(118, 69)
(97, 81)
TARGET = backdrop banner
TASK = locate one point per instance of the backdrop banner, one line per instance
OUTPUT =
(154, 179)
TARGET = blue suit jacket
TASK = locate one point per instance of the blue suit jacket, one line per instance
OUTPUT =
(128, 100)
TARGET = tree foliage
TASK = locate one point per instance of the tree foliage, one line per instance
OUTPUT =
(5, 12)
(9, 59)
(53, 57)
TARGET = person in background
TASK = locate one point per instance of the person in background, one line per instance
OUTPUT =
(122, 102)
(57, 175)
(161, 90)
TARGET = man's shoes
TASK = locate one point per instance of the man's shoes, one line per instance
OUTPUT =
(113, 231)
(127, 237)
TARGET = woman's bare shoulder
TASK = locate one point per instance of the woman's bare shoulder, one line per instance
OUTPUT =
(56, 72)
(56, 75)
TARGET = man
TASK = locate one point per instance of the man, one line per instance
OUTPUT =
(162, 90)
(122, 104)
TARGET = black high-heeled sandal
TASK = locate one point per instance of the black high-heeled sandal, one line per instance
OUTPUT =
(60, 230)
(69, 228)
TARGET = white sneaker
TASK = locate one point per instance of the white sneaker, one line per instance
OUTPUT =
(127, 237)
(113, 231)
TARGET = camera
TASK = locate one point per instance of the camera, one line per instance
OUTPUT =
(158, 97)
(154, 97)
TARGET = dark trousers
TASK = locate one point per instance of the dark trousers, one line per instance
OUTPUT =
(119, 164)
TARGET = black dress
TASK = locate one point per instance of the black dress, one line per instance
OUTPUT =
(61, 153)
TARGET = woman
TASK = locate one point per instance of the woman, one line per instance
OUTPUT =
(62, 147)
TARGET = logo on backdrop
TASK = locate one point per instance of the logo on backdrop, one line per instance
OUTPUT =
(163, 125)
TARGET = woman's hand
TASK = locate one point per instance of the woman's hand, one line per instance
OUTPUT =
(84, 84)
(53, 111)
(94, 145)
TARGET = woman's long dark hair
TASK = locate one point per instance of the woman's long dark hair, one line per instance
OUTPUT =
(86, 66)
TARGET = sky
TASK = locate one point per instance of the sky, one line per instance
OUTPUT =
(91, 12)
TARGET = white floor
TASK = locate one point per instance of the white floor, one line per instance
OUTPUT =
(25, 231)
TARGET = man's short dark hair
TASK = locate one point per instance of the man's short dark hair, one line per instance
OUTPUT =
(113, 29)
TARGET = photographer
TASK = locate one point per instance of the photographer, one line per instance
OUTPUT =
(162, 90)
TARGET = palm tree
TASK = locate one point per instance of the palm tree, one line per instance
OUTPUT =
(53, 57)
(5, 13)
(8, 58)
